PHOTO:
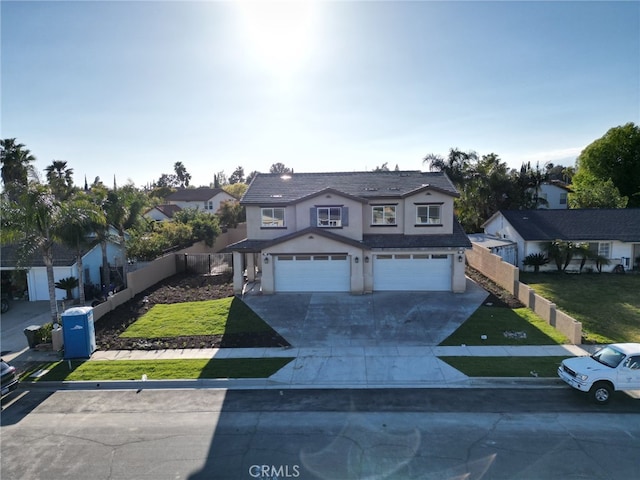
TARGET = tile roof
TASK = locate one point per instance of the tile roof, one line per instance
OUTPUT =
(621, 224)
(62, 257)
(168, 210)
(193, 194)
(285, 189)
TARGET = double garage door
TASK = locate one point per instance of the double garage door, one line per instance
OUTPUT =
(312, 273)
(412, 272)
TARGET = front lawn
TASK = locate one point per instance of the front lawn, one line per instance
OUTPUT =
(506, 366)
(608, 305)
(187, 369)
(504, 326)
(212, 317)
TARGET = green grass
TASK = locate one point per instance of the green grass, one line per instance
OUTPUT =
(505, 366)
(494, 321)
(163, 369)
(211, 317)
(608, 305)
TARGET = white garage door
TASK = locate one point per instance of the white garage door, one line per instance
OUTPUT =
(412, 272)
(312, 273)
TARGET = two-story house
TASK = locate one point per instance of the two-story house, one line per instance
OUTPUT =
(351, 232)
(203, 198)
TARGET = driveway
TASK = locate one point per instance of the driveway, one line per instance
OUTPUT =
(377, 319)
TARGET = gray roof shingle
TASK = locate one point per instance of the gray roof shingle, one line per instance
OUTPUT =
(193, 194)
(279, 189)
(621, 224)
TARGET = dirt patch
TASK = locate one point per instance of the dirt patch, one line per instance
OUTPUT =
(498, 296)
(176, 289)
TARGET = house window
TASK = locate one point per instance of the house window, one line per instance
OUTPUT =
(563, 199)
(383, 215)
(273, 217)
(428, 215)
(602, 249)
(329, 216)
(208, 205)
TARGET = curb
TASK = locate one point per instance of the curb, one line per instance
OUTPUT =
(266, 384)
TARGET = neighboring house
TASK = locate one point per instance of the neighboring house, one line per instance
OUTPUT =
(611, 233)
(64, 265)
(555, 195)
(505, 249)
(160, 213)
(203, 198)
(352, 232)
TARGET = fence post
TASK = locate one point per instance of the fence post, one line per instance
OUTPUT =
(185, 263)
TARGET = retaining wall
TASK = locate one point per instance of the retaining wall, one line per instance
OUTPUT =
(508, 277)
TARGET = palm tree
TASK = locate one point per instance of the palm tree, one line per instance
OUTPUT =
(32, 222)
(123, 208)
(60, 178)
(16, 164)
(80, 217)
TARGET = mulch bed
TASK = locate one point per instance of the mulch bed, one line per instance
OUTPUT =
(176, 289)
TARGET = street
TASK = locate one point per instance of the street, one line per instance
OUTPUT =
(318, 434)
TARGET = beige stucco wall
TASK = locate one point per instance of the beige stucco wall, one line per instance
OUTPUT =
(428, 196)
(315, 244)
(353, 230)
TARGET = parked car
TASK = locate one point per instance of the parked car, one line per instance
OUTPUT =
(5, 302)
(9, 377)
(614, 367)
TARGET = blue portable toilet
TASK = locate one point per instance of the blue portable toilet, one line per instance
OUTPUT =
(78, 332)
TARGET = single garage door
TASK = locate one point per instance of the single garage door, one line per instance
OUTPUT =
(312, 273)
(412, 272)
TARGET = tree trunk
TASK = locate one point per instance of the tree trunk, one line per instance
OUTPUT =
(80, 277)
(105, 269)
(47, 256)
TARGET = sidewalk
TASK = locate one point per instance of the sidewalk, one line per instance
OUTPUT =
(340, 367)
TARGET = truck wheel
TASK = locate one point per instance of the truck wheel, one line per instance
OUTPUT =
(601, 393)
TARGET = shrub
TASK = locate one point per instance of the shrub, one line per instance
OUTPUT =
(535, 260)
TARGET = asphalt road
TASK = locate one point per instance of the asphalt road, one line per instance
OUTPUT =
(318, 434)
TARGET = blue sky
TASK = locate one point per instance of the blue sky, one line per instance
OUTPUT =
(129, 88)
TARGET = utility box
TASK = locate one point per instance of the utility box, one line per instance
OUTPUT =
(78, 331)
(57, 340)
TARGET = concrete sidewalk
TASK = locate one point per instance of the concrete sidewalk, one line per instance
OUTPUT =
(339, 367)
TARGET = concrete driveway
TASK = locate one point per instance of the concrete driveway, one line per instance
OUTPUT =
(377, 319)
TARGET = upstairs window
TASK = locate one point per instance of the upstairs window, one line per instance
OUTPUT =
(383, 215)
(329, 216)
(428, 215)
(272, 217)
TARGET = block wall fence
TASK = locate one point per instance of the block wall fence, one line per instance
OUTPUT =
(508, 277)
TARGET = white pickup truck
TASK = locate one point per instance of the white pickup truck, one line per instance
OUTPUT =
(614, 367)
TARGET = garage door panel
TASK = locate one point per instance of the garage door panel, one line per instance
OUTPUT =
(308, 273)
(418, 272)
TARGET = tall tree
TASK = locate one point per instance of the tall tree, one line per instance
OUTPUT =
(79, 217)
(595, 193)
(123, 208)
(16, 165)
(456, 165)
(60, 178)
(615, 156)
(279, 168)
(251, 176)
(32, 221)
(183, 176)
(237, 176)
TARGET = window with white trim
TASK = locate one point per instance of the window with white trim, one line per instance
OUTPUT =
(563, 199)
(602, 249)
(428, 215)
(272, 216)
(329, 216)
(208, 205)
(383, 215)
